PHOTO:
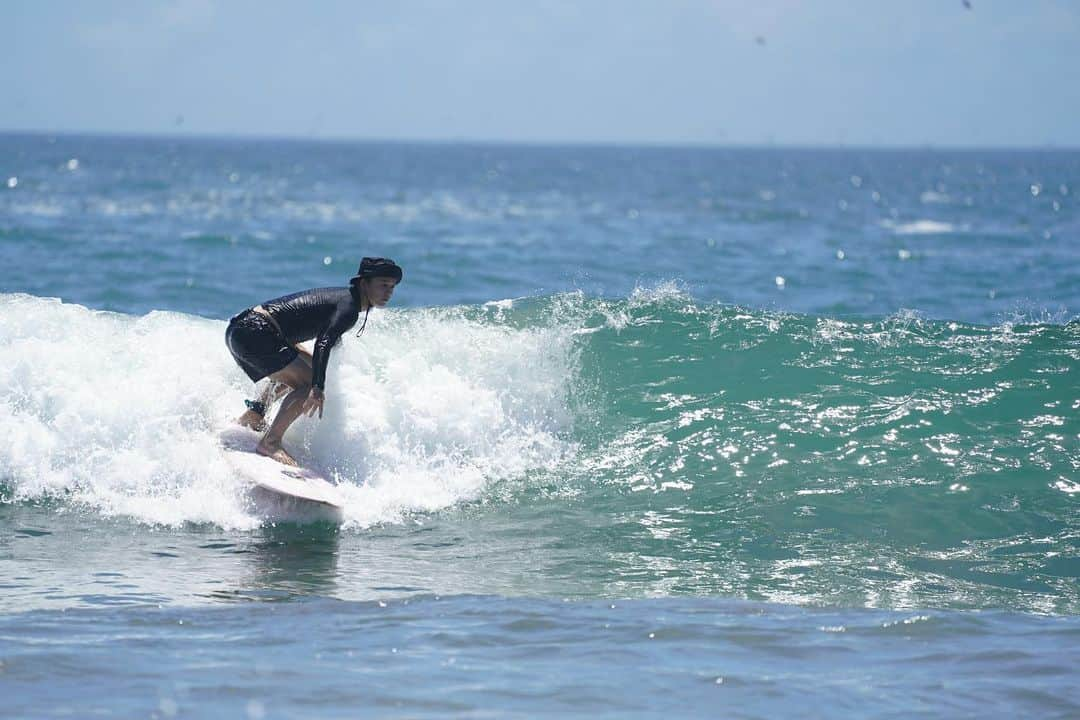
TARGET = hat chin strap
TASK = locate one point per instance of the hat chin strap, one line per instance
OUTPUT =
(367, 312)
(363, 324)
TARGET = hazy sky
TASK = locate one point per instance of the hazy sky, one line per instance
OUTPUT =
(861, 72)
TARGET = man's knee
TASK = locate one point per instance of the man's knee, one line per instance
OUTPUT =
(293, 377)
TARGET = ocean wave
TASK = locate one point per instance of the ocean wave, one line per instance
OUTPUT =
(891, 462)
(710, 449)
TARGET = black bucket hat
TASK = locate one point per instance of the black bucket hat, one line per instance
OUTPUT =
(371, 267)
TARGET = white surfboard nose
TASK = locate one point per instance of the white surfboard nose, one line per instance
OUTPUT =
(281, 506)
(281, 492)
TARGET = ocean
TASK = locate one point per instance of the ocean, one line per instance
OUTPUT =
(645, 432)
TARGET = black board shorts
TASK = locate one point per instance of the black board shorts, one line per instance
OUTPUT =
(257, 346)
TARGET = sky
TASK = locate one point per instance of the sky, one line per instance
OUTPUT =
(1000, 73)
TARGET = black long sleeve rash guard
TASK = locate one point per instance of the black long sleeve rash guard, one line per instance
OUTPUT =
(321, 313)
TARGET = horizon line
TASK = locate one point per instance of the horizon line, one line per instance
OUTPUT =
(537, 143)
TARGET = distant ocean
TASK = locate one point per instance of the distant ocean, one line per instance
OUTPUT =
(645, 432)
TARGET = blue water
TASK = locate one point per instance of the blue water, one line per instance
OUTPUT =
(645, 432)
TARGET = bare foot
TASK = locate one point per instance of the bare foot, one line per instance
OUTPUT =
(253, 420)
(276, 453)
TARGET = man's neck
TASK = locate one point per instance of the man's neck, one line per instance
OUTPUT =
(360, 297)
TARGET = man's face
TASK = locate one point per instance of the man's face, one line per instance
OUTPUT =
(380, 290)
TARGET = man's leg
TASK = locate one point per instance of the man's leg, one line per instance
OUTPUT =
(296, 378)
(255, 416)
(270, 445)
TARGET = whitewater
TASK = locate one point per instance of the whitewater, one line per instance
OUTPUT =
(433, 406)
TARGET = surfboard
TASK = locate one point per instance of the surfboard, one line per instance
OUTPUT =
(279, 492)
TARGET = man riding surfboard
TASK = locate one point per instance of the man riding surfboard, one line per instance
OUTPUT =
(264, 342)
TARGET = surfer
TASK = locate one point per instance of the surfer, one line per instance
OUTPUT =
(264, 342)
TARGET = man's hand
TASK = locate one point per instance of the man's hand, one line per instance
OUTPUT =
(313, 402)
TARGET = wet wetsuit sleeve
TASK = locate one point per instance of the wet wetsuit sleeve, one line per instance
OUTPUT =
(341, 321)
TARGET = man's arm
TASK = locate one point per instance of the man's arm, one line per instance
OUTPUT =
(341, 321)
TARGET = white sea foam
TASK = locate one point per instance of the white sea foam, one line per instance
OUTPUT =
(662, 291)
(923, 227)
(47, 209)
(930, 197)
(239, 204)
(122, 413)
